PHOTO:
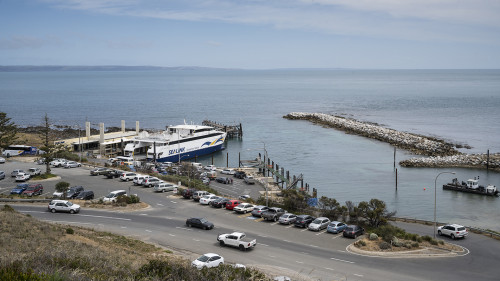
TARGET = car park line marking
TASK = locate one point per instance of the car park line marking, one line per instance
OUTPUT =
(104, 217)
(196, 240)
(304, 253)
(342, 251)
(299, 261)
(290, 226)
(287, 241)
(184, 228)
(259, 220)
(359, 275)
(69, 222)
(342, 260)
(244, 215)
(147, 230)
(320, 232)
(175, 202)
(160, 204)
(305, 228)
(260, 244)
(329, 268)
(143, 214)
(264, 236)
(313, 246)
(171, 235)
(123, 227)
(337, 236)
(274, 223)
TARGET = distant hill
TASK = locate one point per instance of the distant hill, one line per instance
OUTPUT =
(31, 68)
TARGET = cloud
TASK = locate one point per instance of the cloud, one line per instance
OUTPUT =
(27, 42)
(455, 20)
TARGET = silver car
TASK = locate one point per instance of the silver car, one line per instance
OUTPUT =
(287, 218)
(319, 224)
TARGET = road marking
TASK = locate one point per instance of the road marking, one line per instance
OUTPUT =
(244, 215)
(342, 260)
(71, 222)
(305, 228)
(259, 220)
(299, 262)
(314, 246)
(321, 232)
(329, 268)
(175, 202)
(159, 204)
(104, 217)
(359, 275)
(287, 241)
(304, 253)
(147, 230)
(171, 235)
(274, 223)
(185, 228)
(264, 236)
(123, 227)
(143, 214)
(196, 240)
(271, 256)
(342, 251)
(290, 226)
(336, 236)
(260, 244)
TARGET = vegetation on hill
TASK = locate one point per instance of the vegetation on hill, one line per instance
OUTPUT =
(34, 250)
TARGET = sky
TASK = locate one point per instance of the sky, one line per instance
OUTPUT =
(253, 34)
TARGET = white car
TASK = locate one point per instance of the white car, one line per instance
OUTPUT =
(127, 176)
(206, 199)
(63, 206)
(139, 179)
(228, 171)
(71, 164)
(453, 230)
(2, 160)
(210, 168)
(207, 261)
(244, 208)
(22, 177)
(34, 172)
(58, 162)
(164, 187)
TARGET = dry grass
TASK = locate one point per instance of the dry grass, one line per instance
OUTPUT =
(44, 251)
(374, 245)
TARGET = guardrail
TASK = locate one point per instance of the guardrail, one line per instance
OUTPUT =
(477, 230)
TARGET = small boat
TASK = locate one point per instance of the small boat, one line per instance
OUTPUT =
(471, 186)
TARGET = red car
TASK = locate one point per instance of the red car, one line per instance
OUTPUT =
(33, 189)
(232, 203)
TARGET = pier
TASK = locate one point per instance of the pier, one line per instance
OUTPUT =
(233, 131)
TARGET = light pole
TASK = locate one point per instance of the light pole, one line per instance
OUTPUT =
(435, 192)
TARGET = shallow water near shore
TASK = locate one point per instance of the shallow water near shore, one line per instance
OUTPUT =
(459, 106)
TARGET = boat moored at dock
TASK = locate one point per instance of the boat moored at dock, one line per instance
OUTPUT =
(177, 143)
(471, 186)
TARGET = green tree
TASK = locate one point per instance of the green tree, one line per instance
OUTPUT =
(49, 147)
(294, 200)
(8, 131)
(329, 207)
(62, 186)
(375, 212)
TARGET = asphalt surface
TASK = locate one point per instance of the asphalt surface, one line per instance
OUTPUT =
(318, 255)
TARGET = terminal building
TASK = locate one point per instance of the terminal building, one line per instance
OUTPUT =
(104, 144)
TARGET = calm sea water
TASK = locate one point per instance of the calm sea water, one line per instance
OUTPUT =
(462, 106)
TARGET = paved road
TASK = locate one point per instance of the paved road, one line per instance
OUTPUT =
(318, 255)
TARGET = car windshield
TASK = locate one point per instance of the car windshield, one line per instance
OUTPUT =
(318, 221)
(203, 220)
(69, 204)
(203, 258)
(461, 228)
(349, 229)
(30, 188)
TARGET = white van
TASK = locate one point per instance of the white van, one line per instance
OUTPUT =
(113, 196)
(198, 166)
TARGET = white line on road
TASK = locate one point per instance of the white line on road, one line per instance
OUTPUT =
(104, 217)
(174, 202)
(70, 222)
(143, 214)
(329, 268)
(304, 253)
(337, 236)
(196, 240)
(260, 244)
(314, 246)
(304, 229)
(123, 227)
(147, 230)
(171, 235)
(286, 241)
(321, 232)
(359, 275)
(299, 261)
(341, 260)
(185, 228)
(160, 204)
(262, 236)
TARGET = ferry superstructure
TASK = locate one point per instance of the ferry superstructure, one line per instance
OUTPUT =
(177, 143)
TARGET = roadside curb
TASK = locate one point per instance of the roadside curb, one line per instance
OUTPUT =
(421, 253)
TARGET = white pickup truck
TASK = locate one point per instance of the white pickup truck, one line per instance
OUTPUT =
(236, 239)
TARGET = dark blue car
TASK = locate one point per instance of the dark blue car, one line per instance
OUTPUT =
(19, 188)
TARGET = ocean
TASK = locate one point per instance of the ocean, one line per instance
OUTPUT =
(460, 106)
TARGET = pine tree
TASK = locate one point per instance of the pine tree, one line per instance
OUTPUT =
(8, 131)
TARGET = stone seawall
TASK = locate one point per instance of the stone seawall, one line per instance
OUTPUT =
(415, 143)
(462, 161)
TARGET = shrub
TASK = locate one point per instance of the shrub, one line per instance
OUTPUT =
(433, 242)
(360, 243)
(8, 208)
(373, 236)
(427, 238)
(70, 230)
(415, 245)
(132, 199)
(441, 242)
(420, 239)
(384, 245)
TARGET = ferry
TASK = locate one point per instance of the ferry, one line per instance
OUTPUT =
(471, 186)
(176, 143)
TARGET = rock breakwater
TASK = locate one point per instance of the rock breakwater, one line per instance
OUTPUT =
(417, 144)
(462, 161)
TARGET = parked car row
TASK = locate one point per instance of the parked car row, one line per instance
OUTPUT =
(28, 189)
(61, 162)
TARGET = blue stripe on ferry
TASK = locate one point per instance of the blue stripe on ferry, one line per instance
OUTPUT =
(191, 154)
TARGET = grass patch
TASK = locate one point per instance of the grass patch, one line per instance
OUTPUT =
(36, 250)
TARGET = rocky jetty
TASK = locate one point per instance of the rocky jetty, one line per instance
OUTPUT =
(415, 143)
(462, 161)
